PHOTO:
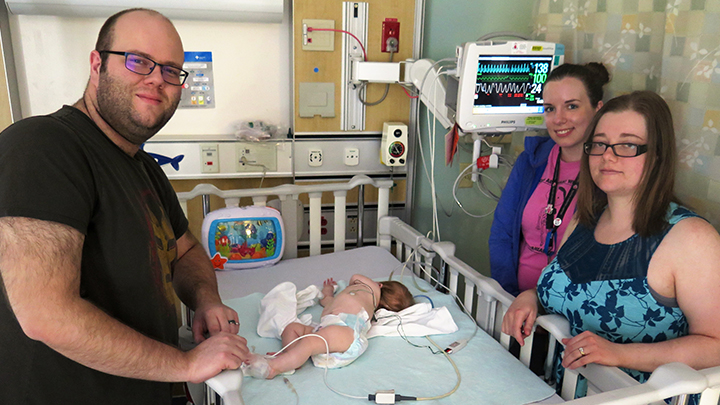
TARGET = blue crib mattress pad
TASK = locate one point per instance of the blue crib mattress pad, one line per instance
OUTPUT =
(490, 375)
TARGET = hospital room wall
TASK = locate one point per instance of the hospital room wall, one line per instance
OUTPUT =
(52, 61)
(448, 24)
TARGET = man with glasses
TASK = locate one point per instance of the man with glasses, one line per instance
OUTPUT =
(93, 242)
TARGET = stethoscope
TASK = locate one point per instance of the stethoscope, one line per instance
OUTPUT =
(552, 222)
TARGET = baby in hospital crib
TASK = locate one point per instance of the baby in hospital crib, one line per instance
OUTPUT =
(344, 324)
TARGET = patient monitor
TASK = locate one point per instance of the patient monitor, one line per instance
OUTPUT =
(499, 85)
(496, 86)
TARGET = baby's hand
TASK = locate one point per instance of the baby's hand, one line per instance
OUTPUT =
(328, 289)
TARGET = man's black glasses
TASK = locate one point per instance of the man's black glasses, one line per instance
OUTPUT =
(619, 149)
(144, 66)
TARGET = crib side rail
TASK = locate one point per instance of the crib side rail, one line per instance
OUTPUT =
(711, 395)
(669, 380)
(289, 194)
(488, 301)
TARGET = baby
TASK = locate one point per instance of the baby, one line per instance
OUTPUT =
(344, 324)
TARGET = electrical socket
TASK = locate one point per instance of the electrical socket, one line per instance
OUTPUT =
(390, 35)
(315, 157)
(352, 225)
(352, 156)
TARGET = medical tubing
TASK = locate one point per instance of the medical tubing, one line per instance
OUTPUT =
(457, 372)
(289, 385)
(457, 201)
(496, 34)
(417, 131)
(310, 29)
(327, 352)
(417, 121)
(402, 271)
(432, 304)
(436, 198)
(457, 299)
(465, 310)
(483, 188)
(401, 332)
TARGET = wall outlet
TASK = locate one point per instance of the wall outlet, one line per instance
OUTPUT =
(352, 156)
(315, 157)
(352, 225)
(209, 154)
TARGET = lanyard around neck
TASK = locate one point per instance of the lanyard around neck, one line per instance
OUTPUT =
(553, 222)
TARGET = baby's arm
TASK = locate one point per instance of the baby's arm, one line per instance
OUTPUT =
(328, 291)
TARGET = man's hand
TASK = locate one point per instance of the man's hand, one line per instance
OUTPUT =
(223, 351)
(212, 319)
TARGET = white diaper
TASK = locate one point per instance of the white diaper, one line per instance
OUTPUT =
(360, 325)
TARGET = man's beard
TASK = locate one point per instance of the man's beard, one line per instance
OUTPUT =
(115, 105)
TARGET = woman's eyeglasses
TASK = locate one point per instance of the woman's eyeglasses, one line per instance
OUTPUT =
(144, 66)
(619, 149)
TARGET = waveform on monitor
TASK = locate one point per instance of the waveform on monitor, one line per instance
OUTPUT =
(504, 78)
(503, 88)
(507, 68)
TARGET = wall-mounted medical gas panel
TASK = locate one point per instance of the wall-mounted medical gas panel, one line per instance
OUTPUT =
(269, 11)
(325, 102)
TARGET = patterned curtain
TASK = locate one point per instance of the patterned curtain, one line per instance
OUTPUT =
(671, 47)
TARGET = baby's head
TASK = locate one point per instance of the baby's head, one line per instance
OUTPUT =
(394, 296)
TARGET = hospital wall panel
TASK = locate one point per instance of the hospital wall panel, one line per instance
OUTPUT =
(326, 66)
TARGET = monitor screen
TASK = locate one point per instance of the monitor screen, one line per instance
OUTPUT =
(510, 84)
(500, 84)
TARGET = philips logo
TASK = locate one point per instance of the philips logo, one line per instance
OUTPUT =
(507, 121)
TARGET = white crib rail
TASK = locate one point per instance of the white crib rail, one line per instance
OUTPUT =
(289, 196)
(711, 395)
(489, 302)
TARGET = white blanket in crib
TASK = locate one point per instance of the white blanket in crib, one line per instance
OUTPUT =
(418, 320)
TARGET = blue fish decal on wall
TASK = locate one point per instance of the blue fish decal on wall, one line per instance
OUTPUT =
(163, 160)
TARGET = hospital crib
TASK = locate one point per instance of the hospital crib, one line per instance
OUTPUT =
(482, 295)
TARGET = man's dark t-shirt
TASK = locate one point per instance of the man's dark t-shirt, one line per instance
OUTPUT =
(62, 168)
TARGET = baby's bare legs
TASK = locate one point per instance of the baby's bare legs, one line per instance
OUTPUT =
(339, 339)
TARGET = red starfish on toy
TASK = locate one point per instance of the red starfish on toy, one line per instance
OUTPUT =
(218, 261)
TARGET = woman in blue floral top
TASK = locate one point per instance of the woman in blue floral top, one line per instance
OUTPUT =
(637, 275)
